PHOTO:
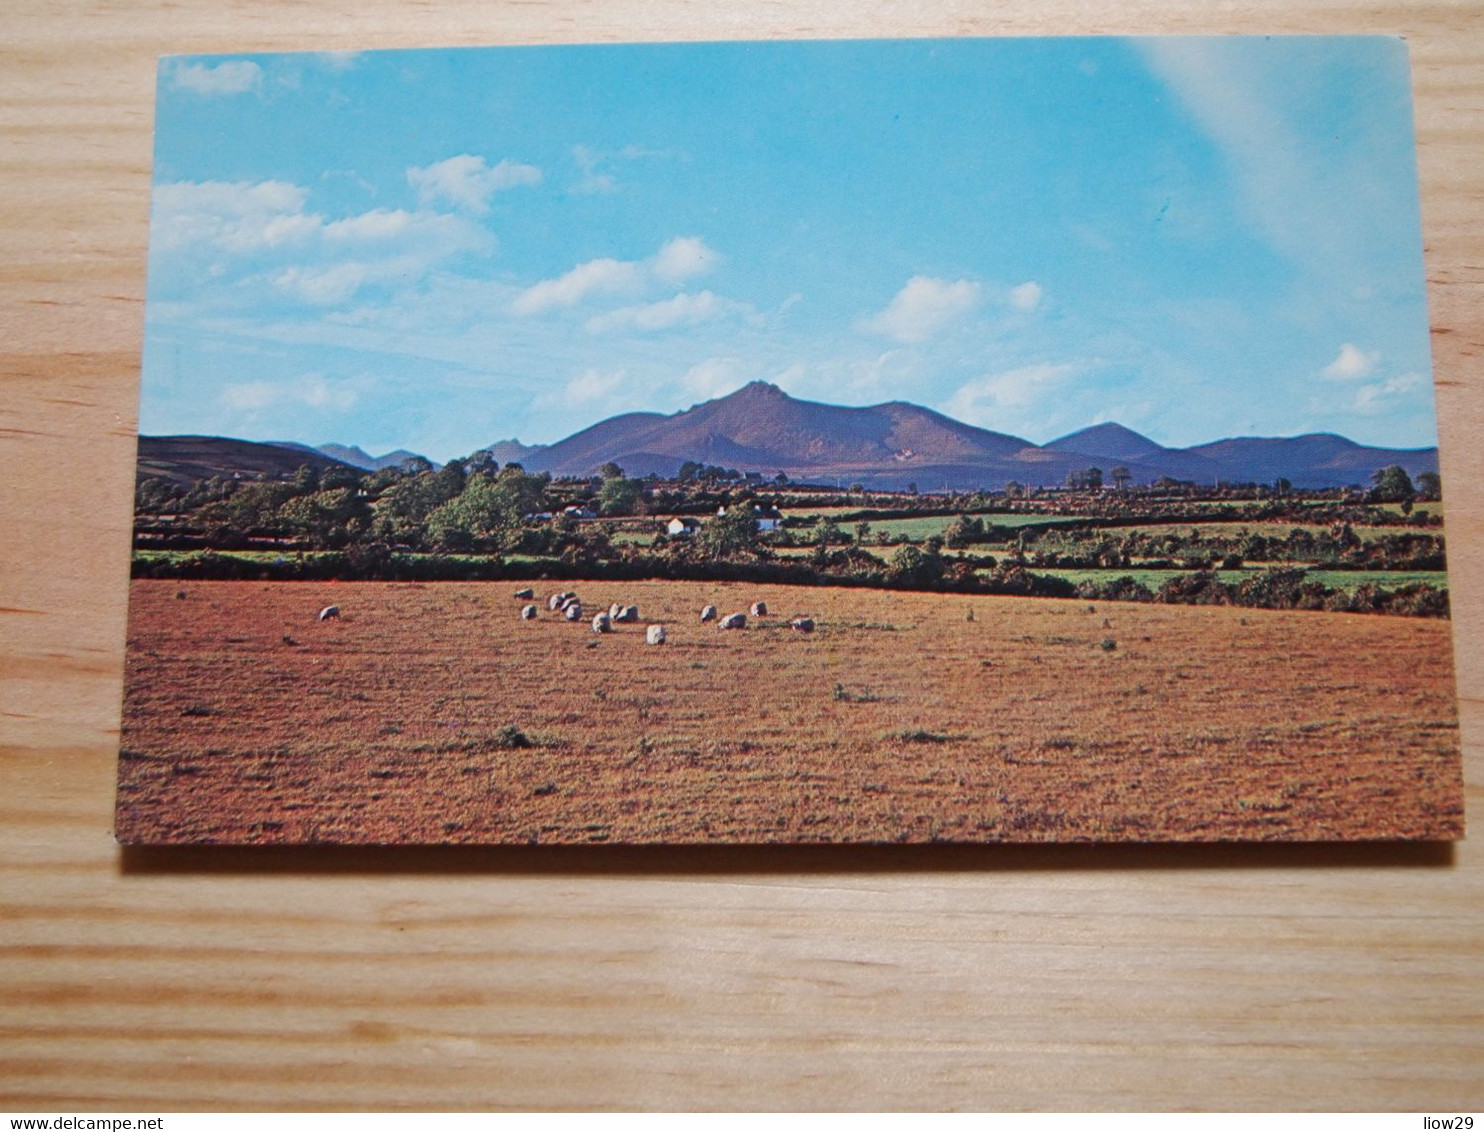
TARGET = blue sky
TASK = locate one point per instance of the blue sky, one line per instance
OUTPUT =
(435, 250)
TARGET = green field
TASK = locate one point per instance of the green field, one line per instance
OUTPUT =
(632, 538)
(919, 527)
(1278, 530)
(1334, 579)
(1387, 579)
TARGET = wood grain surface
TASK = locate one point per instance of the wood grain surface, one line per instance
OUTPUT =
(1143, 977)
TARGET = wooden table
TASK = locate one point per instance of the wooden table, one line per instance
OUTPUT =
(1145, 977)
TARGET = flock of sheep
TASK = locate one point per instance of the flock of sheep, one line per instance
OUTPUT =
(569, 605)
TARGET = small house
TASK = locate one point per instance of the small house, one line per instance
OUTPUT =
(683, 526)
(768, 518)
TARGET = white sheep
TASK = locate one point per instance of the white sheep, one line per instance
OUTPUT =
(802, 624)
(572, 611)
(709, 613)
(525, 595)
(602, 623)
(328, 612)
(627, 613)
(528, 613)
(614, 610)
(759, 609)
(733, 621)
(654, 635)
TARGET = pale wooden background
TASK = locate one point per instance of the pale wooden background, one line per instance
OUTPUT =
(1290, 978)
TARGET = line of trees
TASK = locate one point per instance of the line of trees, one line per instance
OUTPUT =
(416, 520)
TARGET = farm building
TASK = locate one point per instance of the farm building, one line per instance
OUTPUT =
(768, 518)
(682, 526)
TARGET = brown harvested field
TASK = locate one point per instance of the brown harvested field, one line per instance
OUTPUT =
(898, 720)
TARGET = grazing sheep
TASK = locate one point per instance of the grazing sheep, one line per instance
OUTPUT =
(627, 613)
(614, 610)
(602, 623)
(733, 621)
(554, 602)
(328, 612)
(759, 609)
(572, 611)
(802, 624)
(654, 635)
(709, 613)
(569, 602)
(528, 613)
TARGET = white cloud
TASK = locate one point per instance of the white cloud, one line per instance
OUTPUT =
(1027, 296)
(1382, 396)
(312, 391)
(984, 400)
(339, 60)
(425, 235)
(1260, 103)
(849, 378)
(684, 257)
(679, 259)
(232, 215)
(1351, 364)
(594, 180)
(679, 310)
(237, 76)
(249, 217)
(325, 286)
(589, 396)
(596, 165)
(378, 224)
(922, 308)
(593, 385)
(714, 377)
(467, 182)
(594, 276)
(264, 230)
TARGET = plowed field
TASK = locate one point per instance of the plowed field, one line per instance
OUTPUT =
(432, 713)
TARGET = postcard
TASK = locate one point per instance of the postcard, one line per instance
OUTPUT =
(975, 440)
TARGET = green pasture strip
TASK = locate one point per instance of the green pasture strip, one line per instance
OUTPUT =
(268, 557)
(1151, 578)
(1386, 579)
(818, 512)
(1266, 528)
(265, 556)
(1334, 579)
(918, 527)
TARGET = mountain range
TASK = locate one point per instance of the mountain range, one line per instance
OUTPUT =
(760, 428)
(359, 458)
